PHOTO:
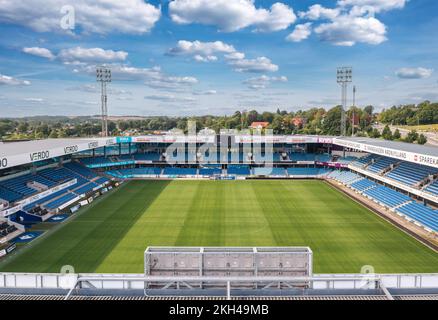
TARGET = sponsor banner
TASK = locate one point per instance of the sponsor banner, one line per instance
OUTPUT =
(70, 147)
(306, 162)
(431, 161)
(83, 203)
(174, 139)
(8, 250)
(333, 164)
(111, 164)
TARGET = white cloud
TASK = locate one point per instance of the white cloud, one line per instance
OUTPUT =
(170, 98)
(185, 47)
(231, 16)
(201, 51)
(91, 55)
(11, 81)
(414, 73)
(301, 32)
(91, 16)
(235, 56)
(347, 30)
(374, 5)
(263, 81)
(33, 100)
(39, 52)
(200, 58)
(204, 52)
(260, 64)
(205, 93)
(317, 12)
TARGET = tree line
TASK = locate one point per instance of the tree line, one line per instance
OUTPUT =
(313, 121)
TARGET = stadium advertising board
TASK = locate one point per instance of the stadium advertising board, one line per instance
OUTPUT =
(176, 138)
(388, 152)
(292, 139)
(35, 155)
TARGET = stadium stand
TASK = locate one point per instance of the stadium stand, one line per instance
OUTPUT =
(6, 228)
(102, 161)
(389, 198)
(380, 164)
(210, 171)
(302, 156)
(281, 172)
(433, 188)
(305, 172)
(346, 160)
(420, 213)
(363, 185)
(364, 161)
(173, 171)
(149, 156)
(126, 173)
(238, 170)
(52, 205)
(411, 173)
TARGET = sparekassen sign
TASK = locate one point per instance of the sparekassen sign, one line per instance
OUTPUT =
(388, 152)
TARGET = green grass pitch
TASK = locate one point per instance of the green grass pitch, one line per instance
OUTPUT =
(110, 236)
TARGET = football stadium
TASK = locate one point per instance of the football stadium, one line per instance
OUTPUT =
(219, 215)
(218, 157)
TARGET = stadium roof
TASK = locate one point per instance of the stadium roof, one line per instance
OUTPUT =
(403, 146)
(23, 152)
(425, 155)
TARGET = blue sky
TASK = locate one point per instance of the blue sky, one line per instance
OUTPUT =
(192, 57)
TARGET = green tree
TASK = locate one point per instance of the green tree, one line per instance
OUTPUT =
(412, 136)
(421, 139)
(396, 135)
(387, 133)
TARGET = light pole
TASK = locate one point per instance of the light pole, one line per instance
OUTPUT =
(103, 75)
(344, 77)
(354, 108)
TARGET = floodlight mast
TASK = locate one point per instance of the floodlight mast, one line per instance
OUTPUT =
(103, 75)
(344, 77)
(354, 108)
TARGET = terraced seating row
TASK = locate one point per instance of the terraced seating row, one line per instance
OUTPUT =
(433, 188)
(411, 173)
(422, 214)
(60, 201)
(210, 171)
(269, 171)
(392, 199)
(172, 171)
(381, 164)
(306, 172)
(387, 196)
(363, 184)
(362, 162)
(238, 170)
(149, 156)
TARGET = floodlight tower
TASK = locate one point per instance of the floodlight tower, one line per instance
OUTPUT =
(354, 107)
(344, 77)
(103, 75)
